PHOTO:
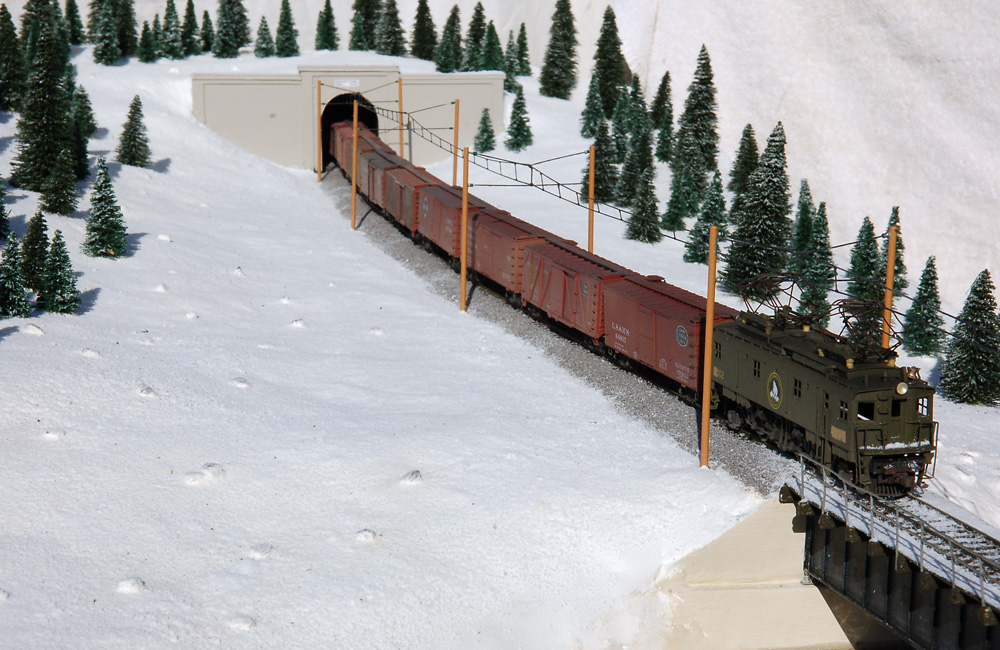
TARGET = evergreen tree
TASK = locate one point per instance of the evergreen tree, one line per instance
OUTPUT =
(364, 24)
(713, 213)
(207, 32)
(474, 38)
(157, 34)
(105, 225)
(79, 131)
(190, 38)
(922, 333)
(448, 56)
(74, 26)
(662, 104)
(126, 26)
(133, 147)
(13, 301)
(241, 22)
(609, 63)
(93, 20)
(286, 42)
(865, 287)
(232, 30)
(389, 38)
(491, 53)
(4, 212)
(638, 117)
(745, 163)
(699, 118)
(523, 59)
(620, 126)
(665, 137)
(519, 131)
(264, 47)
(34, 248)
(638, 165)
(683, 203)
(59, 294)
(106, 48)
(818, 273)
(35, 15)
(802, 230)
(761, 224)
(593, 110)
(59, 188)
(43, 129)
(605, 171)
(148, 52)
(326, 29)
(510, 65)
(171, 44)
(558, 76)
(485, 138)
(12, 70)
(644, 223)
(970, 373)
(423, 41)
(899, 281)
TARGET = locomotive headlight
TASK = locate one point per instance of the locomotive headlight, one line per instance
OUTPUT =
(901, 388)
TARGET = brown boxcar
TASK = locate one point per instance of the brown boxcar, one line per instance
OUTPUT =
(567, 283)
(496, 246)
(342, 143)
(660, 326)
(372, 166)
(401, 185)
(439, 215)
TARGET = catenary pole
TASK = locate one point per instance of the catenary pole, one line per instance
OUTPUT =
(706, 386)
(454, 164)
(319, 129)
(890, 271)
(590, 203)
(354, 171)
(465, 223)
(400, 83)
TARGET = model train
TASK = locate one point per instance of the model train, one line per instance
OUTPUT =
(798, 386)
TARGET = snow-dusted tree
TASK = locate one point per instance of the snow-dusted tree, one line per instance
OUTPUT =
(922, 333)
(106, 48)
(423, 40)
(43, 129)
(745, 162)
(13, 300)
(802, 229)
(510, 65)
(865, 286)
(157, 36)
(4, 212)
(970, 373)
(12, 71)
(523, 58)
(75, 33)
(59, 188)
(207, 32)
(605, 171)
(620, 126)
(227, 41)
(148, 51)
(593, 109)
(475, 37)
(364, 24)
(128, 38)
(638, 165)
(58, 293)
(485, 137)
(899, 281)
(818, 272)
(326, 29)
(699, 118)
(491, 53)
(683, 203)
(519, 132)
(93, 20)
(133, 147)
(662, 103)
(190, 39)
(389, 38)
(34, 248)
(644, 222)
(105, 224)
(609, 63)
(170, 35)
(448, 56)
(558, 76)
(638, 117)
(713, 213)
(79, 134)
(761, 225)
(264, 47)
(35, 15)
(286, 39)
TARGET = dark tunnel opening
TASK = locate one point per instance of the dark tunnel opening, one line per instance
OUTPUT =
(341, 109)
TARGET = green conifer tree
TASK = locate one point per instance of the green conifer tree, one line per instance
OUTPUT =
(683, 203)
(106, 48)
(35, 15)
(74, 26)
(922, 333)
(662, 102)
(475, 37)
(605, 171)
(644, 222)
(389, 37)
(713, 213)
(34, 248)
(171, 43)
(510, 65)
(638, 117)
(364, 24)
(558, 76)
(899, 281)
(519, 132)
(59, 294)
(59, 188)
(190, 38)
(133, 147)
(620, 126)
(865, 286)
(970, 373)
(523, 58)
(231, 20)
(761, 224)
(491, 53)
(593, 109)
(448, 58)
(127, 28)
(12, 70)
(157, 33)
(264, 47)
(105, 224)
(638, 164)
(13, 301)
(665, 123)
(745, 162)
(423, 40)
(326, 29)
(802, 229)
(699, 118)
(4, 212)
(207, 32)
(818, 273)
(148, 52)
(286, 41)
(485, 137)
(79, 137)
(609, 63)
(93, 20)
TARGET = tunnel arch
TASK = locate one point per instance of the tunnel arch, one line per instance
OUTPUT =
(341, 109)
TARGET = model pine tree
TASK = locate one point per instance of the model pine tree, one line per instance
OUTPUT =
(4, 212)
(638, 165)
(638, 116)
(423, 41)
(133, 147)
(126, 26)
(745, 162)
(491, 53)
(700, 120)
(485, 137)
(475, 37)
(13, 300)
(226, 42)
(326, 29)
(818, 272)
(148, 51)
(389, 38)
(605, 171)
(644, 222)
(683, 203)
(922, 333)
(207, 32)
(523, 58)
(593, 109)
(36, 15)
(364, 22)
(558, 76)
(620, 126)
(93, 20)
(171, 43)
(866, 287)
(761, 226)
(286, 37)
(157, 33)
(802, 228)
(519, 131)
(713, 213)
(105, 224)
(510, 65)
(59, 189)
(58, 293)
(662, 115)
(190, 38)
(75, 33)
(970, 373)
(264, 47)
(34, 248)
(79, 153)
(106, 48)
(448, 57)
(899, 281)
(609, 63)
(12, 70)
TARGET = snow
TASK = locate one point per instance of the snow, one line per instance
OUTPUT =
(260, 431)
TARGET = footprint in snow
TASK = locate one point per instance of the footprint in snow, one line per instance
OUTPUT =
(242, 622)
(191, 315)
(90, 354)
(285, 300)
(260, 551)
(34, 330)
(131, 586)
(299, 323)
(366, 535)
(209, 473)
(412, 478)
(54, 435)
(162, 288)
(146, 391)
(241, 382)
(238, 272)
(165, 238)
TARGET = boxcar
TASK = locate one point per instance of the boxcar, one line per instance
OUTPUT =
(372, 166)
(440, 216)
(497, 241)
(401, 191)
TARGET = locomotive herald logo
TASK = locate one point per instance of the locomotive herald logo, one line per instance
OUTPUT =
(774, 390)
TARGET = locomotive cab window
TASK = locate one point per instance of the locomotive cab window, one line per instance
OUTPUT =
(797, 388)
(718, 350)
(756, 368)
(923, 406)
(844, 411)
(866, 410)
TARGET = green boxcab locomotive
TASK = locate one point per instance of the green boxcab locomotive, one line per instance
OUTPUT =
(804, 389)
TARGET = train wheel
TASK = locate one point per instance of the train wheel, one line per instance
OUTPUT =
(734, 420)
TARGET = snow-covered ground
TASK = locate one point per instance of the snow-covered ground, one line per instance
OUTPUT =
(214, 451)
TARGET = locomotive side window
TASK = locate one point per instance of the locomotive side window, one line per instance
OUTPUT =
(797, 388)
(922, 406)
(897, 407)
(844, 411)
(826, 400)
(756, 368)
(866, 410)
(718, 350)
